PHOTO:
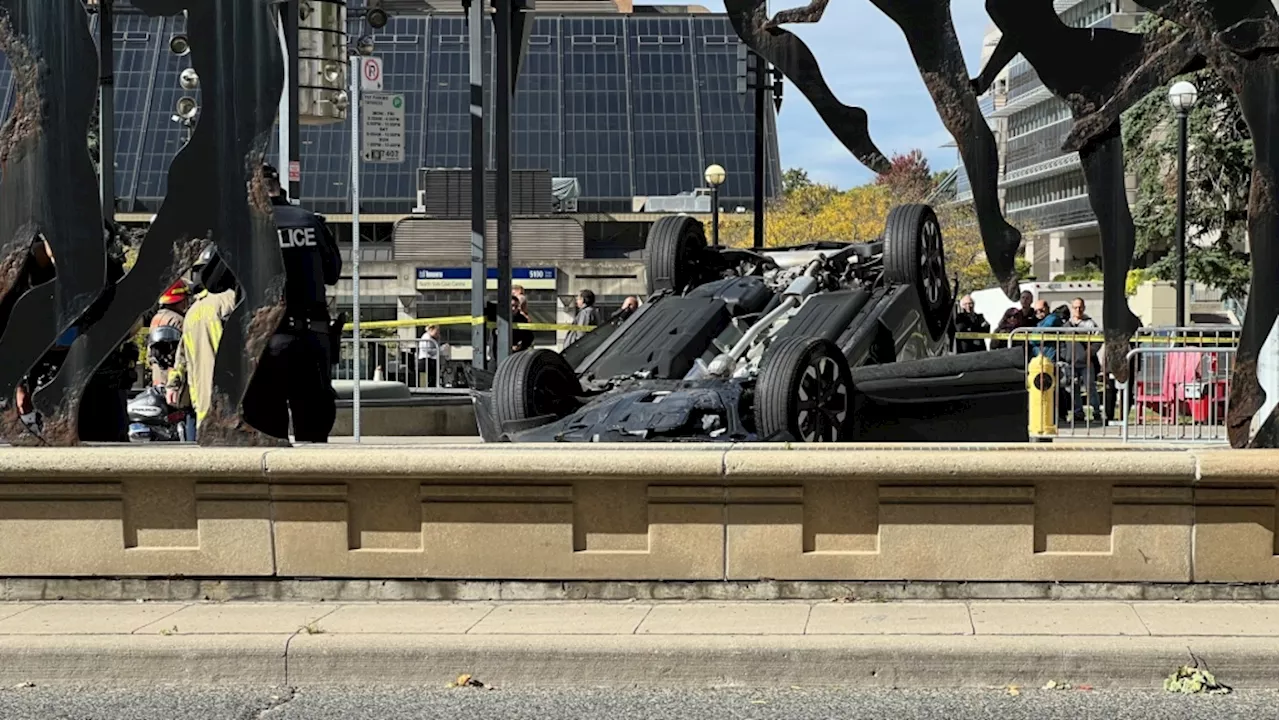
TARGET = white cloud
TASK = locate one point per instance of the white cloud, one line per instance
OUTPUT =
(867, 63)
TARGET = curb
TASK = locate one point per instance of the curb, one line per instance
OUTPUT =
(196, 589)
(632, 660)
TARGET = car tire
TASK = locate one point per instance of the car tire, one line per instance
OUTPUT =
(913, 255)
(532, 384)
(804, 391)
(671, 253)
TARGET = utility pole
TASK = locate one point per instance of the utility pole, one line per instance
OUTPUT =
(289, 13)
(353, 116)
(503, 89)
(757, 171)
(479, 273)
(512, 21)
(754, 78)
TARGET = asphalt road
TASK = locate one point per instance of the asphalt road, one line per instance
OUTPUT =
(338, 703)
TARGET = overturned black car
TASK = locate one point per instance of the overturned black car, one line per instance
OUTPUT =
(824, 342)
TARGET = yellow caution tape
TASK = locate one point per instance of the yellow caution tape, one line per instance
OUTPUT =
(463, 320)
(1097, 337)
(1019, 337)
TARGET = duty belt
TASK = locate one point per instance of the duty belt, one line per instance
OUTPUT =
(316, 326)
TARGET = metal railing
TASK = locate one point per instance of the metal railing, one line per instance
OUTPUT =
(1213, 336)
(1178, 394)
(1179, 382)
(417, 363)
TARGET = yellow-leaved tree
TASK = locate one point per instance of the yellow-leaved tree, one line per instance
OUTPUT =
(814, 212)
(807, 211)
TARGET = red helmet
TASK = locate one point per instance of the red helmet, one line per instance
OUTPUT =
(176, 293)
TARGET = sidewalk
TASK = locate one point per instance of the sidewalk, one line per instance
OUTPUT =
(903, 644)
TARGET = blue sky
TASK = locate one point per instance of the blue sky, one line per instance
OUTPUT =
(867, 63)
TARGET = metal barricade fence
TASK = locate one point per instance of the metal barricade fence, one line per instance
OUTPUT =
(411, 362)
(1178, 393)
(1211, 336)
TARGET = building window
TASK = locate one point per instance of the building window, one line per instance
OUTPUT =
(1087, 13)
(1047, 190)
(1038, 116)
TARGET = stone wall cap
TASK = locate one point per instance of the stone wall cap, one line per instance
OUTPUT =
(502, 461)
(170, 460)
(688, 462)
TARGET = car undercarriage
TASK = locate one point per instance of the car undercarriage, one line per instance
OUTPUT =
(738, 345)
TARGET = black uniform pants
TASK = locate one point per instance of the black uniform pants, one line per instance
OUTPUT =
(293, 375)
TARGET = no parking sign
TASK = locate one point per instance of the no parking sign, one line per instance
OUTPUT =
(371, 74)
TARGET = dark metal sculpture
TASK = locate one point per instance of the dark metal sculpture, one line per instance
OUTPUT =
(932, 37)
(50, 219)
(214, 195)
(1240, 41)
(1099, 73)
(1237, 39)
(1085, 67)
(789, 54)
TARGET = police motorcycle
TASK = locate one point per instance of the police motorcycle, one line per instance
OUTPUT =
(151, 417)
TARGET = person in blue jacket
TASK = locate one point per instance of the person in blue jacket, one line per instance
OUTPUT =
(1047, 319)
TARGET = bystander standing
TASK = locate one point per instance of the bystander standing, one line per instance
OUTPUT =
(1083, 371)
(969, 321)
(588, 315)
(626, 310)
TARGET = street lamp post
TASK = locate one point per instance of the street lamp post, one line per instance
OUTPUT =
(1182, 96)
(714, 176)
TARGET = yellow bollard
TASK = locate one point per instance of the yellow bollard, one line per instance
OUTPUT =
(1042, 386)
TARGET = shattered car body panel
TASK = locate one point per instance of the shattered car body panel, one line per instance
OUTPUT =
(652, 410)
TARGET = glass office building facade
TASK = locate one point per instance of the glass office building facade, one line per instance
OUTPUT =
(629, 104)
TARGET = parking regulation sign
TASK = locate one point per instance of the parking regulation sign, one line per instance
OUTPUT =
(371, 74)
(382, 121)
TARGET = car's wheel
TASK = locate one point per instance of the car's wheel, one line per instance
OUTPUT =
(804, 390)
(672, 251)
(913, 255)
(532, 384)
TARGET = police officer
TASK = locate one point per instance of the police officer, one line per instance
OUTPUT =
(294, 373)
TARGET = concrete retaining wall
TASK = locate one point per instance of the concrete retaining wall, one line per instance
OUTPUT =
(1016, 514)
(414, 417)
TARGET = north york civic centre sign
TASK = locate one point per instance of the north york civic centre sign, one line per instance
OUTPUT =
(459, 278)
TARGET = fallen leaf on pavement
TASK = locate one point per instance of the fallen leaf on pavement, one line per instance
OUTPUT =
(466, 680)
(1013, 690)
(1194, 680)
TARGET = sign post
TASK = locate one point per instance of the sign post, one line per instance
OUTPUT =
(359, 68)
(285, 97)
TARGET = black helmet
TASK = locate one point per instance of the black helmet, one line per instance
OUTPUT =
(164, 334)
(210, 270)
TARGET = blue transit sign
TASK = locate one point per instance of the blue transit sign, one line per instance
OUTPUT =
(459, 278)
